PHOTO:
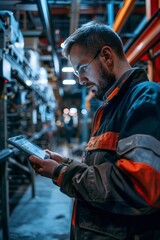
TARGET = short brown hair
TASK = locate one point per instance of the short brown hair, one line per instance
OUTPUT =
(93, 36)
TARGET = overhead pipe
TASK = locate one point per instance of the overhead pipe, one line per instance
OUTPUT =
(74, 18)
(110, 11)
(154, 59)
(147, 38)
(46, 20)
(123, 14)
(136, 32)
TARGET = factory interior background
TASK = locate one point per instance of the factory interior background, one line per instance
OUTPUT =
(41, 98)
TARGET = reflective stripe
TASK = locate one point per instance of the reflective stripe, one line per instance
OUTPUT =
(106, 140)
(146, 180)
(140, 160)
(138, 140)
(141, 148)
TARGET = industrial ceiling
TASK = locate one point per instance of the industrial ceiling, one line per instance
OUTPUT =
(46, 24)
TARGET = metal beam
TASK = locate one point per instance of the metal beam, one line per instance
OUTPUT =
(154, 59)
(75, 11)
(47, 23)
(32, 33)
(110, 11)
(134, 34)
(12, 6)
(45, 58)
(146, 39)
(123, 14)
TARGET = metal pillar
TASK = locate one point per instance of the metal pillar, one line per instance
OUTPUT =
(110, 12)
(84, 135)
(4, 166)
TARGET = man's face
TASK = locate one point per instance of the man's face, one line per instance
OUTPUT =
(104, 82)
(91, 72)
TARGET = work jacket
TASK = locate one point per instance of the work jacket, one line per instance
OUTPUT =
(117, 185)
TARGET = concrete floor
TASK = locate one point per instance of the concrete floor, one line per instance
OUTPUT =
(47, 216)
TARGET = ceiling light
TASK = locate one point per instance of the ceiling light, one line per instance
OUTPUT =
(66, 111)
(67, 69)
(69, 81)
(62, 45)
(84, 111)
(29, 82)
(73, 111)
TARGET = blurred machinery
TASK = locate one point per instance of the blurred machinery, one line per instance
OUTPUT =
(27, 103)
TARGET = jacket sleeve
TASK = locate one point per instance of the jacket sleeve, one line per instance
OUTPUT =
(131, 185)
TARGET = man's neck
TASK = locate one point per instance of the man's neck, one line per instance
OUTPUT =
(121, 68)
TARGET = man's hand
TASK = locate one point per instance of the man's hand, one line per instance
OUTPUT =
(55, 156)
(44, 167)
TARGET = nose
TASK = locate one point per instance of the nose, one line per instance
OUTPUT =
(82, 80)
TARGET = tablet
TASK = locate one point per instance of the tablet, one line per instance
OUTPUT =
(27, 146)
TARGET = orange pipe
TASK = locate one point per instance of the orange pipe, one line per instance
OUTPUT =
(123, 14)
(146, 40)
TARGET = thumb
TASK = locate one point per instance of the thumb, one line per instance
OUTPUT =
(55, 156)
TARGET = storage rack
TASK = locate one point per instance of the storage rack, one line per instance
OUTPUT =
(16, 116)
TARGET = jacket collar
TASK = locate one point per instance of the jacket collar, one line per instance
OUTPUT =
(114, 90)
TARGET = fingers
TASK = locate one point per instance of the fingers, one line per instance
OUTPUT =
(35, 168)
(34, 159)
(38, 170)
(35, 162)
(57, 157)
(43, 167)
(49, 152)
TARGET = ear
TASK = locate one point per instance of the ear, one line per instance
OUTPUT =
(107, 53)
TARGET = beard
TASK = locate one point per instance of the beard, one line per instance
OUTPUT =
(106, 82)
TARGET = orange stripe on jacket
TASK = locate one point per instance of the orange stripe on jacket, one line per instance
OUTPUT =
(106, 140)
(146, 180)
(74, 213)
(115, 91)
(97, 120)
(60, 177)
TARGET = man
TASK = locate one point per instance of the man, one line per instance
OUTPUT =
(117, 185)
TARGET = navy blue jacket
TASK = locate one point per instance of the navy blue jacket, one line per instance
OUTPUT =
(117, 184)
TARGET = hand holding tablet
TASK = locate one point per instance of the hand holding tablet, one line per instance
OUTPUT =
(27, 146)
